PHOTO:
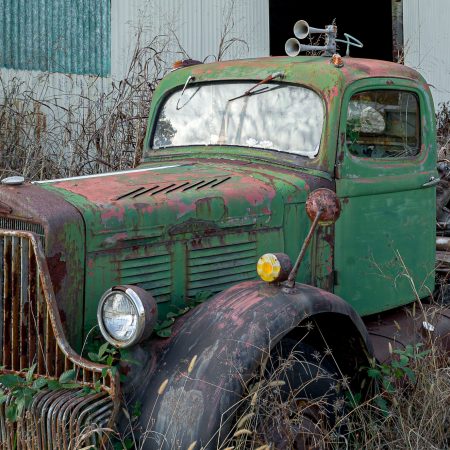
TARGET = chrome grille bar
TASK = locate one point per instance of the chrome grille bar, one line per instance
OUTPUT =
(59, 420)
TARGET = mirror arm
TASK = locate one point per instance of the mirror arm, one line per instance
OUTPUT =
(290, 283)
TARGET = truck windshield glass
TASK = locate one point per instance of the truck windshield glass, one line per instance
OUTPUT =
(282, 117)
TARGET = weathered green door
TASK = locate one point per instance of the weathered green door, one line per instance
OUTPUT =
(385, 237)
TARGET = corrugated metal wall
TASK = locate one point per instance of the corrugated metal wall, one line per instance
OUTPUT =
(426, 37)
(197, 24)
(67, 36)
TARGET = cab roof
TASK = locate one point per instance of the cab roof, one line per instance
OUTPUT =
(313, 71)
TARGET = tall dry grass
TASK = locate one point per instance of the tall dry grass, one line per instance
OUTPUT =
(98, 126)
(403, 411)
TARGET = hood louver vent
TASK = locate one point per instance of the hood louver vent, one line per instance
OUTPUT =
(166, 188)
(216, 267)
(152, 272)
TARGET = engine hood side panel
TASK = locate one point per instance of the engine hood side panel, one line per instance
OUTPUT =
(64, 242)
(182, 197)
(174, 200)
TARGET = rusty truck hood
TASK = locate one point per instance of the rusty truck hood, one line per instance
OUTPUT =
(193, 196)
(179, 229)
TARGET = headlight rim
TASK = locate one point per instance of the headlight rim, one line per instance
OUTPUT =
(145, 318)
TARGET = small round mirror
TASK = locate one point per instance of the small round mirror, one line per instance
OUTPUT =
(325, 202)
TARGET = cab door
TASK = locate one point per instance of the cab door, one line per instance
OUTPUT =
(386, 178)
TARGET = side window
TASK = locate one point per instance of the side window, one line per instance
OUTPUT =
(383, 124)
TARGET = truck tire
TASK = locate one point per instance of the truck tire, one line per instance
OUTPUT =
(294, 404)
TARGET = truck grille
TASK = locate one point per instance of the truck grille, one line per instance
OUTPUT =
(31, 333)
(216, 267)
(59, 419)
(27, 336)
(7, 223)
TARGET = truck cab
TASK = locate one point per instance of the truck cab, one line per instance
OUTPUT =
(368, 136)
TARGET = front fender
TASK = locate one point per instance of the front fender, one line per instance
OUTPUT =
(216, 351)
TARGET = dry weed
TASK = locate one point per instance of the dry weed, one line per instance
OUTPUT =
(443, 131)
(414, 414)
(98, 126)
(280, 409)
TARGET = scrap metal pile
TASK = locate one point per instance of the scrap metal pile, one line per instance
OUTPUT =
(443, 221)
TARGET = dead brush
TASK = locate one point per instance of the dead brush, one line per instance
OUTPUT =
(23, 133)
(91, 125)
(410, 411)
(99, 126)
(443, 130)
(410, 405)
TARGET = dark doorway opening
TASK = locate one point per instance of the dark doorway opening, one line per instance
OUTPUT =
(370, 22)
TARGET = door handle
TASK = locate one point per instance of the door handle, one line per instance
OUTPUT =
(433, 181)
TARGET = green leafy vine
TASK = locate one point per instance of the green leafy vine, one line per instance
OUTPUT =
(389, 375)
(163, 327)
(24, 386)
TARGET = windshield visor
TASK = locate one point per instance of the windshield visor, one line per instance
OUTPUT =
(278, 117)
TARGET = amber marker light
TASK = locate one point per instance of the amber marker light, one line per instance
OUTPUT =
(337, 60)
(274, 267)
(185, 63)
(177, 64)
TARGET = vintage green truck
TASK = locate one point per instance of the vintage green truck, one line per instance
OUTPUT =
(234, 152)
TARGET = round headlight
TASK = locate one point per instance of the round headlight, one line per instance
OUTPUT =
(126, 315)
(273, 267)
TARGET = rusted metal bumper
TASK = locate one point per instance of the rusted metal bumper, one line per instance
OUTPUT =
(31, 333)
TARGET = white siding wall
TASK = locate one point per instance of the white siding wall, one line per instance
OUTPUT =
(198, 25)
(427, 43)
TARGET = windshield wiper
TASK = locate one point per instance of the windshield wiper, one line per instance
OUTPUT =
(252, 91)
(189, 80)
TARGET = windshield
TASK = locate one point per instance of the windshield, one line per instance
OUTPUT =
(278, 117)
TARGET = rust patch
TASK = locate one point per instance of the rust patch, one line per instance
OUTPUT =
(58, 270)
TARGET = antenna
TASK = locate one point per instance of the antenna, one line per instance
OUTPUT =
(293, 47)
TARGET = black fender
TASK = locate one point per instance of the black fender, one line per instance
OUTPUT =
(198, 377)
